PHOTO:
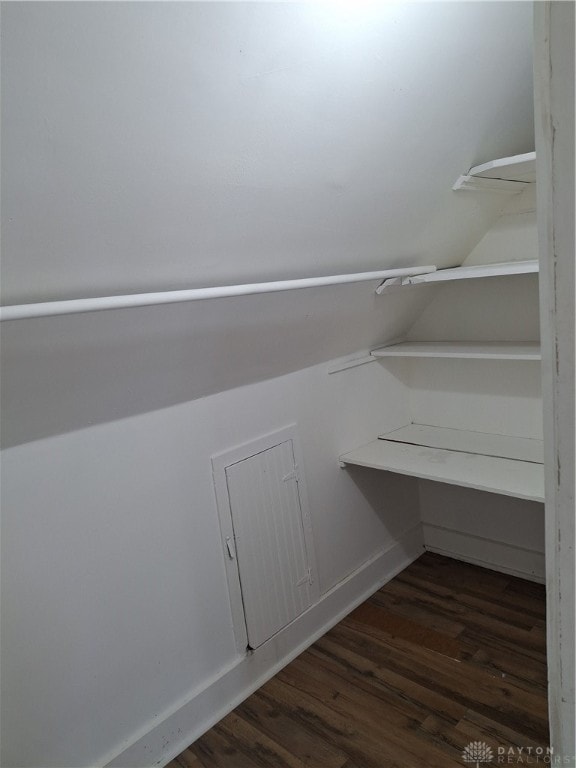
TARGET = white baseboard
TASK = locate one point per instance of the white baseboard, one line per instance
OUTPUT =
(488, 553)
(183, 724)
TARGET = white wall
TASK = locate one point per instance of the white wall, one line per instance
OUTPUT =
(493, 531)
(150, 145)
(153, 145)
(484, 395)
(114, 591)
(65, 373)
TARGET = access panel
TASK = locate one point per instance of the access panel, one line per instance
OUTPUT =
(270, 544)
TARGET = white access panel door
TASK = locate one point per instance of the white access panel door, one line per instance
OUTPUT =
(273, 562)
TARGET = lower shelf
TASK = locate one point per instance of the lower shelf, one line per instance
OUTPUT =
(465, 441)
(502, 474)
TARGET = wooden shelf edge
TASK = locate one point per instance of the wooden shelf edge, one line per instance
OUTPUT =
(462, 350)
(471, 272)
(506, 175)
(505, 477)
(475, 271)
(515, 168)
(469, 441)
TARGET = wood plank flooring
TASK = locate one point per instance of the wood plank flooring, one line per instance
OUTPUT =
(443, 655)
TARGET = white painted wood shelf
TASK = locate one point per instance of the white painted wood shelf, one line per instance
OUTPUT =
(466, 441)
(473, 350)
(499, 269)
(515, 168)
(509, 466)
(506, 175)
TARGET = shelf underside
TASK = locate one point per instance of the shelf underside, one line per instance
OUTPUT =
(504, 470)
(479, 350)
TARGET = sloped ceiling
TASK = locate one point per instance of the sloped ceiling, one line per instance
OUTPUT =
(171, 145)
(166, 145)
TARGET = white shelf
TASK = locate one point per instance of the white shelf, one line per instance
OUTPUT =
(465, 441)
(515, 168)
(494, 474)
(507, 175)
(472, 350)
(500, 269)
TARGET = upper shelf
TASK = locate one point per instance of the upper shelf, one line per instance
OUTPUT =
(472, 350)
(477, 270)
(508, 175)
(500, 269)
(516, 168)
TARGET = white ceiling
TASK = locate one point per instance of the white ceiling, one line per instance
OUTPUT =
(159, 145)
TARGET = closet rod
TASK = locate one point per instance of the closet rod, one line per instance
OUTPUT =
(77, 306)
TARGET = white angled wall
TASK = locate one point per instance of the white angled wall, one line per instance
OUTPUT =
(151, 146)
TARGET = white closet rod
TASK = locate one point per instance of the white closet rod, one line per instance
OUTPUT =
(76, 306)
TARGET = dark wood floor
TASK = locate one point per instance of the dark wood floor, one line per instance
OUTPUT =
(445, 654)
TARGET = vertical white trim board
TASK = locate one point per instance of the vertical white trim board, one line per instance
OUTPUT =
(175, 729)
(554, 33)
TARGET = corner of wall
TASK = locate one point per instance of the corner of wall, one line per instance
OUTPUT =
(180, 727)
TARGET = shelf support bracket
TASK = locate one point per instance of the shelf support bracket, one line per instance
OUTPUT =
(390, 283)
